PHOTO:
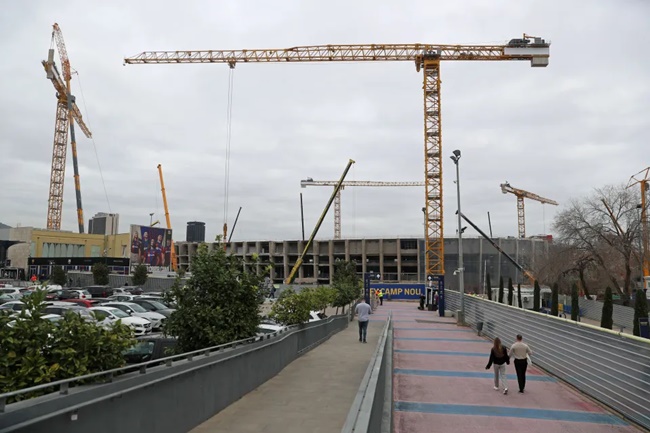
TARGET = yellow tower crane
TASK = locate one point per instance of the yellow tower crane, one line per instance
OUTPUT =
(642, 178)
(67, 113)
(521, 195)
(337, 200)
(169, 220)
(427, 58)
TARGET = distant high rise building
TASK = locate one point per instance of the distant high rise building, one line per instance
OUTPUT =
(104, 224)
(195, 231)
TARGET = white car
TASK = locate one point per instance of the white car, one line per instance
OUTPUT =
(107, 316)
(269, 328)
(136, 310)
(121, 297)
(13, 306)
(10, 291)
(314, 316)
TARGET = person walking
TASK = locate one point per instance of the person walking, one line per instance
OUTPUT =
(363, 310)
(381, 296)
(499, 357)
(520, 352)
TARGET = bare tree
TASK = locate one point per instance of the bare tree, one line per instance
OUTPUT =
(603, 229)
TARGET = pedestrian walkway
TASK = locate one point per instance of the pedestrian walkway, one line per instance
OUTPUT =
(312, 394)
(440, 385)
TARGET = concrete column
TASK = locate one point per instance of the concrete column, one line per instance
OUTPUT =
(364, 257)
(399, 260)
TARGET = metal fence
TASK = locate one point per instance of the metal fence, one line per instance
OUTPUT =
(371, 411)
(611, 367)
(153, 284)
(622, 316)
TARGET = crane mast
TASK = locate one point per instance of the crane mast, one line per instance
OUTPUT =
(427, 58)
(168, 219)
(67, 113)
(642, 178)
(521, 194)
(337, 200)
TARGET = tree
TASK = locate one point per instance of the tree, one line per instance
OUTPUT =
(100, 274)
(606, 317)
(501, 290)
(510, 291)
(292, 308)
(640, 310)
(346, 282)
(605, 229)
(36, 351)
(521, 305)
(536, 296)
(140, 275)
(554, 300)
(219, 303)
(321, 297)
(575, 303)
(488, 286)
(59, 276)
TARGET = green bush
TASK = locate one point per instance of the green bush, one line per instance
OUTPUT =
(218, 304)
(521, 305)
(292, 308)
(607, 316)
(36, 351)
(555, 300)
(58, 276)
(346, 283)
(510, 291)
(640, 310)
(100, 274)
(575, 303)
(140, 275)
(488, 286)
(501, 290)
(536, 297)
(321, 297)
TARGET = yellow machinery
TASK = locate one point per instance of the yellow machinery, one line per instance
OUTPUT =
(67, 113)
(337, 188)
(642, 178)
(521, 195)
(169, 221)
(427, 58)
(337, 200)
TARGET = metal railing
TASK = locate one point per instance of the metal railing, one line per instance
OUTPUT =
(63, 386)
(367, 409)
(609, 366)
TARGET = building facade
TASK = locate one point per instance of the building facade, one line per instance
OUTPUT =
(395, 260)
(104, 224)
(195, 231)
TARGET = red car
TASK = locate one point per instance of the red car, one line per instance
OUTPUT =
(82, 302)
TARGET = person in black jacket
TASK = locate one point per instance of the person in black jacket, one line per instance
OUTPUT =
(499, 357)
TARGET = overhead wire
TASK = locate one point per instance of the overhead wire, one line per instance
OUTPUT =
(226, 184)
(92, 138)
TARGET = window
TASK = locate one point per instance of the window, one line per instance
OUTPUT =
(95, 251)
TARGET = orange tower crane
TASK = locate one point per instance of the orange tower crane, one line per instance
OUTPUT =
(337, 200)
(169, 220)
(642, 178)
(521, 195)
(427, 58)
(67, 113)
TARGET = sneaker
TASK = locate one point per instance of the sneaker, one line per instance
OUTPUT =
(496, 388)
(364, 341)
(359, 340)
(505, 391)
(521, 391)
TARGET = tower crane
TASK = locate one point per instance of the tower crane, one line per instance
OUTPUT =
(172, 254)
(67, 113)
(337, 200)
(427, 58)
(642, 178)
(521, 195)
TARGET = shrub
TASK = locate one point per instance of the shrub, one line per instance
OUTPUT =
(58, 276)
(521, 305)
(606, 317)
(501, 290)
(575, 303)
(100, 274)
(510, 291)
(346, 283)
(554, 300)
(140, 275)
(640, 310)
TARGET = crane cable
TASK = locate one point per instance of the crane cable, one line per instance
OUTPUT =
(92, 138)
(226, 184)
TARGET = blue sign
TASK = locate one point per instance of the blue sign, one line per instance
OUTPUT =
(400, 291)
(644, 328)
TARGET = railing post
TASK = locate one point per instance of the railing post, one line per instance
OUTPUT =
(64, 387)
(3, 403)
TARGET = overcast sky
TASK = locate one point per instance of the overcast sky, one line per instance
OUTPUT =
(559, 131)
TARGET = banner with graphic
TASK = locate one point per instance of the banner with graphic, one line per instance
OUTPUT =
(151, 246)
(399, 291)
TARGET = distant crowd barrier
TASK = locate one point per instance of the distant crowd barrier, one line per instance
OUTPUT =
(173, 397)
(610, 367)
(371, 411)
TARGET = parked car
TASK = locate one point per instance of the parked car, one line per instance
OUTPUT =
(75, 294)
(12, 307)
(121, 298)
(136, 310)
(107, 316)
(62, 310)
(100, 291)
(153, 305)
(149, 348)
(8, 297)
(10, 291)
(87, 303)
(133, 290)
(269, 328)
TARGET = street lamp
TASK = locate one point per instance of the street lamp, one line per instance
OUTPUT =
(150, 219)
(460, 270)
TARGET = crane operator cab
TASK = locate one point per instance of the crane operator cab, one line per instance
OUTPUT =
(518, 42)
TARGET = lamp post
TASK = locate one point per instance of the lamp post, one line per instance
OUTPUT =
(150, 219)
(460, 270)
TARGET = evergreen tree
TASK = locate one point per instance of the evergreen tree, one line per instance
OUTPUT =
(58, 276)
(501, 290)
(346, 282)
(536, 296)
(100, 274)
(510, 291)
(575, 303)
(640, 310)
(606, 317)
(554, 300)
(488, 286)
(140, 275)
(521, 305)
